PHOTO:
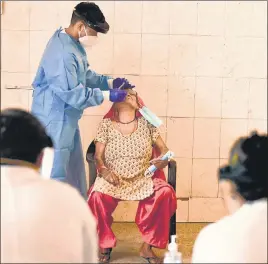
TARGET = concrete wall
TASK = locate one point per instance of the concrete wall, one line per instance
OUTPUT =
(201, 66)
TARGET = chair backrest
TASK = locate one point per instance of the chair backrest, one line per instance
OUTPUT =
(90, 157)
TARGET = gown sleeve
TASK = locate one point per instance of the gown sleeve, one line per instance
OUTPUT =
(95, 80)
(63, 79)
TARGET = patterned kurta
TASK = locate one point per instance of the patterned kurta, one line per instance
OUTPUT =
(127, 157)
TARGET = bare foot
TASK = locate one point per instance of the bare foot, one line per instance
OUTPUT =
(105, 255)
(147, 253)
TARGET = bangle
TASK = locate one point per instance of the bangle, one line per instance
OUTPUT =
(101, 167)
(99, 174)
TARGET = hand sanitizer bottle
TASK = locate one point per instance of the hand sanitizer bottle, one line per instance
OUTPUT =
(173, 256)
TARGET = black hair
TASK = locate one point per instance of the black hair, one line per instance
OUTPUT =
(248, 167)
(87, 12)
(22, 136)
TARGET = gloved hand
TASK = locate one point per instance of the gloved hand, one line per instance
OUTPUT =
(115, 95)
(121, 83)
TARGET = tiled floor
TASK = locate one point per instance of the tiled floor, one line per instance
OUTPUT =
(129, 241)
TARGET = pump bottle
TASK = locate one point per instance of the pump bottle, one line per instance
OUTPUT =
(173, 255)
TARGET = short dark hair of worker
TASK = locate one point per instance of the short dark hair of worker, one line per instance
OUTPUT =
(22, 136)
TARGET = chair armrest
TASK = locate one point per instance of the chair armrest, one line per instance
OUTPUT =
(172, 176)
(92, 171)
(172, 173)
(91, 151)
(90, 157)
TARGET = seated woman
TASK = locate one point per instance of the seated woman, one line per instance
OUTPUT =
(124, 145)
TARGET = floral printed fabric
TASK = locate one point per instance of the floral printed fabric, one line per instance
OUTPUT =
(127, 157)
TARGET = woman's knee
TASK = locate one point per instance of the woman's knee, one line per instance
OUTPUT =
(100, 200)
(166, 192)
(95, 197)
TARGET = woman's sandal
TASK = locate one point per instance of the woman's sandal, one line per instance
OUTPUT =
(155, 259)
(149, 259)
(105, 256)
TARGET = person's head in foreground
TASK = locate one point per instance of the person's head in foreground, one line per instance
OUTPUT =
(86, 22)
(241, 236)
(42, 221)
(24, 140)
(244, 179)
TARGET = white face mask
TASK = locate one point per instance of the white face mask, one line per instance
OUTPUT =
(47, 163)
(152, 118)
(88, 41)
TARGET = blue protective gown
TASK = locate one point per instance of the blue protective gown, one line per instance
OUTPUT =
(63, 88)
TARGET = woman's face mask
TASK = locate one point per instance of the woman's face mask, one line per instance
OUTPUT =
(133, 99)
(87, 41)
(152, 118)
(47, 163)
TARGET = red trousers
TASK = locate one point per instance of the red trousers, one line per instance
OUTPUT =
(153, 215)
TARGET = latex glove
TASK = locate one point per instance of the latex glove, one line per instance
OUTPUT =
(121, 83)
(115, 95)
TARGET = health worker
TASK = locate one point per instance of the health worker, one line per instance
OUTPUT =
(64, 86)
